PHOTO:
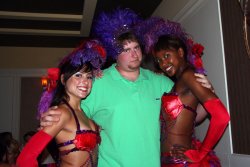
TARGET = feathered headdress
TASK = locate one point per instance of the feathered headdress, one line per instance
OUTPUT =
(109, 26)
(90, 51)
(151, 29)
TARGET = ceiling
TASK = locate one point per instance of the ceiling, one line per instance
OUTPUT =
(57, 23)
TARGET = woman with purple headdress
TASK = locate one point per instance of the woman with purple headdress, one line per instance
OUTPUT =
(76, 135)
(180, 58)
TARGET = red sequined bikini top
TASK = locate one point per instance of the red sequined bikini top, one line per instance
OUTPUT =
(85, 140)
(172, 105)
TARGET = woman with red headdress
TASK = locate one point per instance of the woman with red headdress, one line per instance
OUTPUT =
(76, 135)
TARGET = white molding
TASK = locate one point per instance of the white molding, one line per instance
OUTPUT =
(23, 72)
(225, 73)
(24, 31)
(87, 16)
(188, 9)
(40, 16)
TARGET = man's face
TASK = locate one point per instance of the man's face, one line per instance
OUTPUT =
(131, 57)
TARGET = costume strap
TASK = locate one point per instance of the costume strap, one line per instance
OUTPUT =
(73, 111)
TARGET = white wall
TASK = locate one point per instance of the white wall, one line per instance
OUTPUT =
(6, 114)
(10, 88)
(205, 26)
(201, 18)
(168, 9)
(31, 57)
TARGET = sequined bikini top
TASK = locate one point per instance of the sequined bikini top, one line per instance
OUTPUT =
(85, 140)
(172, 105)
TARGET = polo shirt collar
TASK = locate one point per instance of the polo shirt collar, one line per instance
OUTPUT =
(117, 76)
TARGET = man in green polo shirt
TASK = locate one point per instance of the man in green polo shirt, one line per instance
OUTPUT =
(125, 102)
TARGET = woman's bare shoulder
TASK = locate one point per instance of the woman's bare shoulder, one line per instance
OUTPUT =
(188, 75)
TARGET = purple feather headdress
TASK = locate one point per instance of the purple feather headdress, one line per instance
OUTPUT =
(109, 26)
(90, 51)
(151, 29)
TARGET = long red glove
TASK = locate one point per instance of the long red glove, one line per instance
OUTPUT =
(30, 152)
(218, 123)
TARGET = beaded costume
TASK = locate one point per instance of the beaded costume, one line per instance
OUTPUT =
(171, 110)
(85, 140)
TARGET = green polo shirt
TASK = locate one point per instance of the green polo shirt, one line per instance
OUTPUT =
(128, 113)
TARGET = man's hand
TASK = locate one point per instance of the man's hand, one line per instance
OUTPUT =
(204, 81)
(49, 117)
(98, 73)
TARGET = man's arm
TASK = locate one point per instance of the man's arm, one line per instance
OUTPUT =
(53, 116)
